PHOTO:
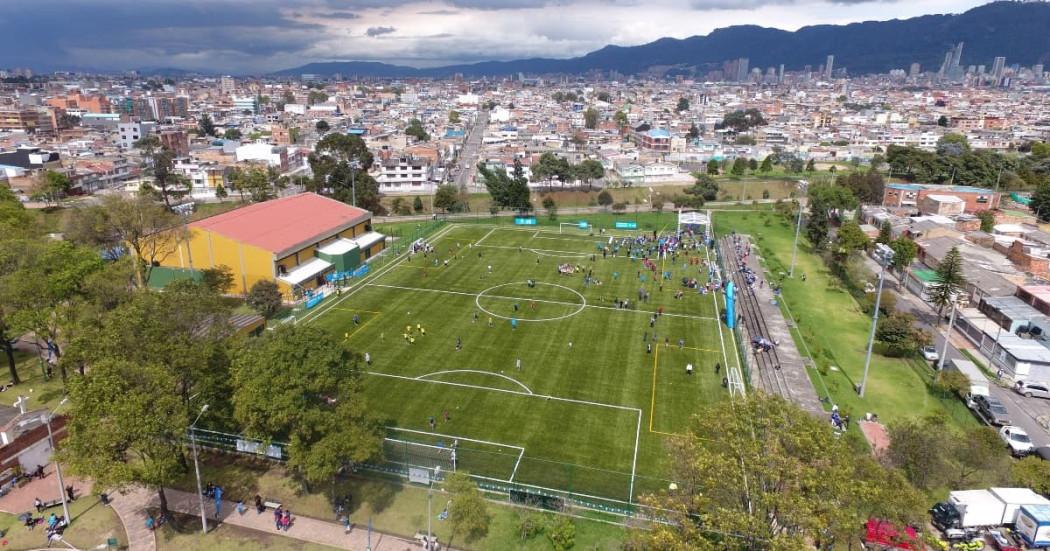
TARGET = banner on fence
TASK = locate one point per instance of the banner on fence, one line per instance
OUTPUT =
(247, 446)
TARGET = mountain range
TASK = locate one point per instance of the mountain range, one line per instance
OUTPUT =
(1020, 31)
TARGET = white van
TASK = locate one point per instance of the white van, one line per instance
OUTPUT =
(978, 382)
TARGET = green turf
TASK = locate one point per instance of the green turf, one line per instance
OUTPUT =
(599, 390)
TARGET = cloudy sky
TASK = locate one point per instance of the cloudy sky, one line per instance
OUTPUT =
(260, 36)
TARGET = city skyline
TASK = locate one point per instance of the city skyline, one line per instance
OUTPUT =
(260, 37)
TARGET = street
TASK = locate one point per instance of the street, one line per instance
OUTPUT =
(1023, 411)
(468, 157)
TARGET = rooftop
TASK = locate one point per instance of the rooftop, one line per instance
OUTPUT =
(285, 223)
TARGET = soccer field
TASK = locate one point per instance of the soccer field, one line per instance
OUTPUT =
(599, 389)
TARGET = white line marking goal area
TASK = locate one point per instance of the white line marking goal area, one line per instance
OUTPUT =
(416, 448)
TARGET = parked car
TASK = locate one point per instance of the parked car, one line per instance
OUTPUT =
(930, 353)
(1042, 452)
(1017, 440)
(991, 410)
(1028, 389)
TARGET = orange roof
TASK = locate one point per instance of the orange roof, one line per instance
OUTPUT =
(286, 223)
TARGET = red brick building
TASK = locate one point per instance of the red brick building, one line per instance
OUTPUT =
(914, 195)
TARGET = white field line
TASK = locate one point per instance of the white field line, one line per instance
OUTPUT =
(505, 391)
(362, 283)
(588, 305)
(574, 254)
(516, 463)
(511, 379)
(634, 461)
(478, 242)
(454, 437)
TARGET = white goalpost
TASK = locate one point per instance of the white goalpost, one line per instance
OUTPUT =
(574, 225)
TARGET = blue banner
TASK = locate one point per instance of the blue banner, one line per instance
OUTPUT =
(525, 220)
(583, 224)
(627, 225)
(730, 305)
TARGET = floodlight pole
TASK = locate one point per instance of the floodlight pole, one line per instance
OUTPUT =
(197, 469)
(794, 248)
(58, 468)
(874, 325)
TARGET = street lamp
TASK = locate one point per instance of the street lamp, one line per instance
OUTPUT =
(947, 336)
(354, 165)
(883, 260)
(197, 468)
(430, 489)
(58, 468)
(803, 185)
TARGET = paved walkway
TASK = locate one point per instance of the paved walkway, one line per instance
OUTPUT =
(303, 528)
(20, 499)
(131, 506)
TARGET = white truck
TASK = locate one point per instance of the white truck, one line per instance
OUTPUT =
(978, 382)
(983, 508)
(1033, 525)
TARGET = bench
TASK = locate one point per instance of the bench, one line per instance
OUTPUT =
(272, 504)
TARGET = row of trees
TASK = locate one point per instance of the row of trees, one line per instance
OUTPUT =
(551, 167)
(955, 161)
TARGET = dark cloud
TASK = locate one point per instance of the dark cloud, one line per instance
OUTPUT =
(379, 31)
(339, 15)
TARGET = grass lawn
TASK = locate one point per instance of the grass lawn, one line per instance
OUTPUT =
(393, 507)
(93, 524)
(836, 331)
(41, 391)
(589, 417)
(183, 534)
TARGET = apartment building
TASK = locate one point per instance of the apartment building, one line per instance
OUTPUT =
(404, 174)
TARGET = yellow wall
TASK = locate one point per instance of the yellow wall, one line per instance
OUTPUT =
(206, 249)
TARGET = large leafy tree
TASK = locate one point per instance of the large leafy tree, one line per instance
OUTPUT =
(298, 385)
(1040, 203)
(126, 426)
(948, 281)
(468, 512)
(446, 198)
(589, 170)
(51, 187)
(850, 239)
(765, 475)
(590, 118)
(904, 252)
(260, 184)
(160, 164)
(932, 454)
(551, 167)
(340, 163)
(742, 120)
(826, 205)
(146, 230)
(416, 130)
(507, 191)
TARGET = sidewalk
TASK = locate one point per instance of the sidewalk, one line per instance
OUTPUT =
(303, 528)
(131, 506)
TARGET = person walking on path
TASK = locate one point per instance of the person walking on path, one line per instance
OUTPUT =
(368, 359)
(459, 344)
(277, 518)
(517, 364)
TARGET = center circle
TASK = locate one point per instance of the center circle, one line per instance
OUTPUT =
(581, 306)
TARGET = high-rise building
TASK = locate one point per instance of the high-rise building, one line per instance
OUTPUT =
(227, 85)
(829, 67)
(742, 69)
(780, 74)
(957, 56)
(998, 66)
(914, 70)
(1037, 71)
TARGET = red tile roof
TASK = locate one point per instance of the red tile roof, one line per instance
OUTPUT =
(281, 224)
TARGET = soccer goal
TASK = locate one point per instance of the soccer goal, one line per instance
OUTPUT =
(406, 449)
(578, 226)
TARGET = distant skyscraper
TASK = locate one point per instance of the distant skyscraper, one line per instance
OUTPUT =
(957, 56)
(227, 85)
(829, 67)
(1037, 71)
(780, 75)
(997, 69)
(742, 69)
(914, 70)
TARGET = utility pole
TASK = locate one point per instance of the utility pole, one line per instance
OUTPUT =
(58, 468)
(794, 248)
(197, 469)
(947, 337)
(874, 326)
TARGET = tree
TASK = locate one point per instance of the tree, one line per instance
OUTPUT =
(453, 117)
(205, 126)
(51, 187)
(300, 385)
(953, 145)
(898, 333)
(948, 281)
(552, 208)
(160, 164)
(253, 181)
(340, 164)
(987, 221)
(416, 130)
(827, 203)
(942, 121)
(605, 198)
(850, 239)
(764, 475)
(446, 198)
(752, 165)
(232, 134)
(866, 186)
(885, 233)
(468, 512)
(265, 298)
(1032, 472)
(922, 449)
(151, 232)
(1040, 150)
(417, 204)
(904, 252)
(620, 118)
(811, 166)
(712, 167)
(739, 166)
(218, 280)
(589, 170)
(683, 105)
(590, 118)
(694, 132)
(603, 96)
(322, 126)
(316, 96)
(551, 167)
(126, 427)
(767, 164)
(1040, 202)
(742, 120)
(507, 191)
